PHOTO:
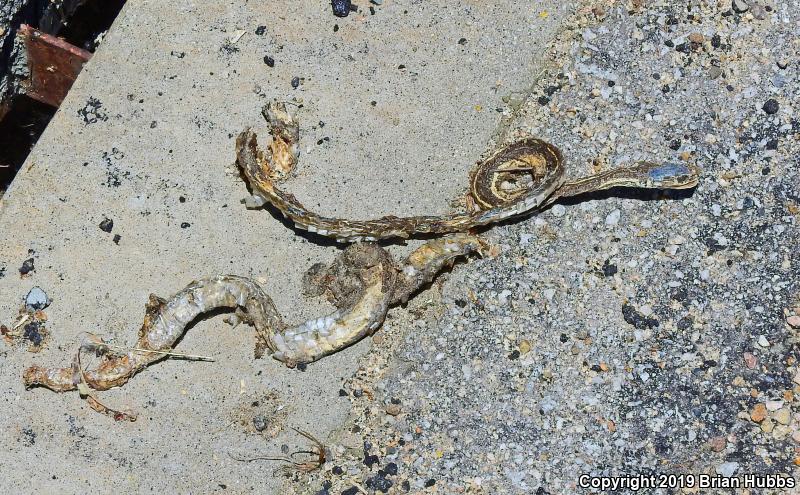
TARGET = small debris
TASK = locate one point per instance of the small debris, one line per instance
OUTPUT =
(260, 30)
(269, 61)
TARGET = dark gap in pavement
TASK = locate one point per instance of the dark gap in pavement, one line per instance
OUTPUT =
(23, 119)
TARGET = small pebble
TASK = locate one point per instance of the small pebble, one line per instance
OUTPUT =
(269, 61)
(771, 106)
(727, 469)
(613, 217)
(341, 8)
(393, 409)
(27, 267)
(758, 413)
(295, 82)
(558, 210)
(773, 405)
(762, 341)
(36, 299)
(106, 225)
(740, 6)
(793, 321)
(783, 416)
(260, 422)
(260, 30)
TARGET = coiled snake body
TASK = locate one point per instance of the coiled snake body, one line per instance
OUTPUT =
(364, 281)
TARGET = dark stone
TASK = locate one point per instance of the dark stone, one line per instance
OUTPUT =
(27, 267)
(117, 238)
(337, 470)
(370, 460)
(260, 422)
(260, 30)
(675, 144)
(680, 294)
(295, 82)
(185, 225)
(269, 61)
(514, 355)
(106, 225)
(772, 144)
(637, 319)
(391, 469)
(716, 41)
(609, 269)
(341, 8)
(543, 100)
(771, 106)
(351, 491)
(563, 338)
(430, 483)
(32, 333)
(379, 483)
(462, 41)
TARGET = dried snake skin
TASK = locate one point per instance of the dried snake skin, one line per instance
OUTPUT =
(369, 283)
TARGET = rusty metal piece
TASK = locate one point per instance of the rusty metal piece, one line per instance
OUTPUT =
(54, 64)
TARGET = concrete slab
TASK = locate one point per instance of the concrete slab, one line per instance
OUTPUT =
(408, 98)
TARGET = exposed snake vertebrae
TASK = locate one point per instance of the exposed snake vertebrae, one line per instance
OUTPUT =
(364, 281)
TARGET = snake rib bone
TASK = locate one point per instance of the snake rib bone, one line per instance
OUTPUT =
(361, 310)
(524, 176)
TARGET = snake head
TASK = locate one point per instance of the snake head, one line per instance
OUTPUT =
(673, 175)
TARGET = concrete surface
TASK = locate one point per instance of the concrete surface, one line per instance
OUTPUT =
(146, 138)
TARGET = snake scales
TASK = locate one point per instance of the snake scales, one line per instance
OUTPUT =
(364, 280)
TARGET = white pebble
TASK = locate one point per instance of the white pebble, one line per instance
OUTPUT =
(727, 469)
(558, 210)
(613, 217)
(36, 299)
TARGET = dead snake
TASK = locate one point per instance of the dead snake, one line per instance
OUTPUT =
(364, 281)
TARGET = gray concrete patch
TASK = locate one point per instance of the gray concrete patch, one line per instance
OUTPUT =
(144, 139)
